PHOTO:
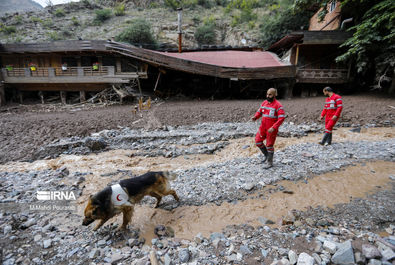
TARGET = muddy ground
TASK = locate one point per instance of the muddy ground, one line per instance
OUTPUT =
(231, 211)
(24, 128)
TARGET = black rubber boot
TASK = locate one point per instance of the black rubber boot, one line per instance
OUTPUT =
(324, 139)
(269, 163)
(264, 152)
(329, 140)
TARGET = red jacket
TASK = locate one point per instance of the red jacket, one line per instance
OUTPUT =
(272, 114)
(333, 106)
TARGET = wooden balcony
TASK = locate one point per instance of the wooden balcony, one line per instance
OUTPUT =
(70, 75)
(322, 76)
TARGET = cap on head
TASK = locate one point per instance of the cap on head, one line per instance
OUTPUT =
(272, 91)
(328, 89)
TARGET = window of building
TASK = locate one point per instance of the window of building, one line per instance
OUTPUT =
(332, 6)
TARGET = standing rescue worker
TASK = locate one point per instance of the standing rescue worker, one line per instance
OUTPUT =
(273, 115)
(332, 110)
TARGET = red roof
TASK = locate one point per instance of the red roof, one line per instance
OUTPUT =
(237, 59)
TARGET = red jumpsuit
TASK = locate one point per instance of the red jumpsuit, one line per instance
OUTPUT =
(273, 115)
(333, 106)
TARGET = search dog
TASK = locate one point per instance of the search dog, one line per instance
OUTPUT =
(121, 197)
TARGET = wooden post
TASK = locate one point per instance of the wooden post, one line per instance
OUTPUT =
(41, 95)
(2, 94)
(63, 98)
(297, 55)
(82, 96)
(20, 96)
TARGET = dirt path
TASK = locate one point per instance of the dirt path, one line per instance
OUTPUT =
(25, 128)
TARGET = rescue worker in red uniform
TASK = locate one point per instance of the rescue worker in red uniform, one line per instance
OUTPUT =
(332, 110)
(273, 115)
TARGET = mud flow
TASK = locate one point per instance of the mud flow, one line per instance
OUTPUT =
(271, 202)
(324, 190)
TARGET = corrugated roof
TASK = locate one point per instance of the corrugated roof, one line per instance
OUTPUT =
(237, 59)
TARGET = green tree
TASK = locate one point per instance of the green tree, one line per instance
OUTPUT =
(372, 46)
(205, 34)
(281, 23)
(138, 33)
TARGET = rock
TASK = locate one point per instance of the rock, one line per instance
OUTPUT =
(160, 230)
(28, 223)
(217, 235)
(344, 255)
(115, 258)
(167, 260)
(245, 250)
(359, 259)
(317, 258)
(387, 253)
(47, 243)
(183, 255)
(10, 261)
(37, 238)
(94, 253)
(7, 229)
(370, 251)
(305, 259)
(248, 186)
(374, 262)
(330, 246)
(293, 257)
(101, 243)
(95, 144)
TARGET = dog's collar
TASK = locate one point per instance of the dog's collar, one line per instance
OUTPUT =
(119, 196)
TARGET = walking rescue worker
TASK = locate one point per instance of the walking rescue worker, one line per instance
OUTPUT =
(273, 115)
(332, 109)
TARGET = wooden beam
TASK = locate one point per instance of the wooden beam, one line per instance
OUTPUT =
(82, 96)
(63, 97)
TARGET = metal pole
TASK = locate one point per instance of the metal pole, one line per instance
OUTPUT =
(179, 10)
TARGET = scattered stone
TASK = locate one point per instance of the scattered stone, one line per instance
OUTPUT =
(370, 251)
(47, 243)
(183, 255)
(305, 259)
(344, 255)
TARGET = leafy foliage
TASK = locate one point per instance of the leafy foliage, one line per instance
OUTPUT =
(375, 35)
(281, 23)
(102, 15)
(205, 34)
(372, 46)
(59, 12)
(139, 34)
(119, 9)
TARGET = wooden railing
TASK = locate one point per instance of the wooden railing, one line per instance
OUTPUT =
(321, 73)
(59, 71)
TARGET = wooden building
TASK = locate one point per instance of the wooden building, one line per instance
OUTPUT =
(88, 66)
(313, 52)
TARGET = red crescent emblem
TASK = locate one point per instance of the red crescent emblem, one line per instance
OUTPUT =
(118, 198)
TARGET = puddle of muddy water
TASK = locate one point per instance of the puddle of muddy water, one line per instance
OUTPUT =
(325, 190)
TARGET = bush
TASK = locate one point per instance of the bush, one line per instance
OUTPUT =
(18, 19)
(47, 23)
(8, 29)
(75, 21)
(205, 34)
(119, 10)
(53, 35)
(102, 15)
(59, 12)
(139, 34)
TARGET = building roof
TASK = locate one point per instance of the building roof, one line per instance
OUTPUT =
(237, 59)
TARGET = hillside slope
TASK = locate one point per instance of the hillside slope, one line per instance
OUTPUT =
(12, 6)
(77, 20)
